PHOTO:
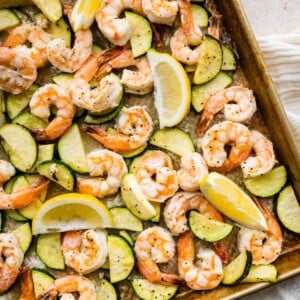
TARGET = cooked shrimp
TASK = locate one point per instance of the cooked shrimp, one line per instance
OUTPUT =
(7, 170)
(11, 258)
(192, 170)
(114, 28)
(264, 159)
(206, 273)
(68, 284)
(177, 206)
(85, 251)
(40, 105)
(36, 36)
(265, 246)
(155, 245)
(133, 129)
(109, 167)
(26, 285)
(17, 69)
(217, 137)
(156, 176)
(160, 11)
(238, 103)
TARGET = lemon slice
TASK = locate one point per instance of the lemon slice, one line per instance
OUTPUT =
(172, 88)
(232, 201)
(83, 14)
(71, 211)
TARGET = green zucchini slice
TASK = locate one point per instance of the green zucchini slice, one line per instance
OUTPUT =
(200, 15)
(150, 291)
(41, 281)
(121, 258)
(124, 219)
(261, 273)
(107, 291)
(30, 121)
(229, 63)
(288, 209)
(24, 236)
(8, 19)
(237, 269)
(51, 9)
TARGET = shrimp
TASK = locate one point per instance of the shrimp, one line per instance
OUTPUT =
(155, 245)
(156, 176)
(11, 258)
(36, 36)
(69, 284)
(116, 30)
(85, 251)
(265, 246)
(40, 104)
(217, 137)
(206, 273)
(160, 11)
(241, 110)
(17, 69)
(264, 160)
(192, 170)
(177, 206)
(107, 93)
(26, 285)
(110, 166)
(133, 129)
(7, 170)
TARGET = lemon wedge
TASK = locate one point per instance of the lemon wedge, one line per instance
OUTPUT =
(232, 201)
(172, 88)
(71, 211)
(83, 14)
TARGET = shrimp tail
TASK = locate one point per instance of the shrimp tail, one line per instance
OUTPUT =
(215, 26)
(26, 285)
(50, 295)
(171, 279)
(98, 133)
(204, 122)
(222, 251)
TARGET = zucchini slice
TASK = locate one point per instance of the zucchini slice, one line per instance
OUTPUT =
(107, 291)
(20, 146)
(48, 249)
(157, 207)
(174, 140)
(124, 234)
(60, 29)
(41, 281)
(150, 291)
(237, 269)
(268, 184)
(229, 63)
(71, 150)
(201, 93)
(45, 152)
(64, 80)
(30, 121)
(121, 258)
(261, 273)
(51, 9)
(288, 209)
(124, 219)
(135, 199)
(211, 61)
(58, 172)
(208, 229)
(8, 19)
(200, 15)
(24, 236)
(141, 33)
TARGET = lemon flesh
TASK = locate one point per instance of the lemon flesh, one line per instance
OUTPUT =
(172, 88)
(232, 201)
(71, 211)
(83, 14)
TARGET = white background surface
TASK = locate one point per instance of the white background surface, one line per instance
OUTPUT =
(276, 25)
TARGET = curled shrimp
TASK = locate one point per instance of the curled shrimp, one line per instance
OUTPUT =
(11, 260)
(23, 197)
(26, 285)
(155, 245)
(264, 159)
(238, 104)
(107, 169)
(192, 170)
(114, 28)
(17, 69)
(68, 284)
(217, 137)
(156, 176)
(40, 105)
(206, 273)
(265, 246)
(85, 251)
(160, 11)
(36, 36)
(133, 129)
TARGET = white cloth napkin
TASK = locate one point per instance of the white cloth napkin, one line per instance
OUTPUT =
(275, 24)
